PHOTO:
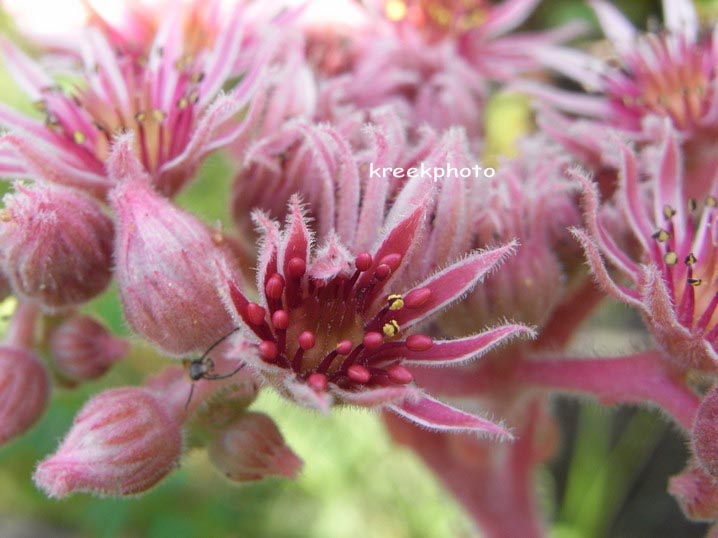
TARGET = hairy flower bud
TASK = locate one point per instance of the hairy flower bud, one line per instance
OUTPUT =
(166, 265)
(56, 245)
(252, 448)
(25, 388)
(696, 492)
(84, 349)
(122, 442)
(705, 433)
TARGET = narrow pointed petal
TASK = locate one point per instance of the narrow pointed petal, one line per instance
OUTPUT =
(451, 352)
(437, 416)
(507, 16)
(680, 17)
(614, 24)
(377, 397)
(453, 282)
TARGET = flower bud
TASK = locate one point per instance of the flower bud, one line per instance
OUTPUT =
(705, 433)
(83, 349)
(122, 442)
(56, 245)
(25, 388)
(696, 492)
(252, 448)
(166, 262)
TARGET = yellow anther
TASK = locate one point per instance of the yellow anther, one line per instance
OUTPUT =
(140, 116)
(668, 211)
(79, 137)
(690, 259)
(695, 282)
(395, 10)
(711, 201)
(391, 328)
(671, 258)
(158, 115)
(661, 235)
(396, 301)
(182, 103)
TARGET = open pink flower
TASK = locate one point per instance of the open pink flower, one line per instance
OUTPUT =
(333, 323)
(669, 74)
(169, 99)
(673, 281)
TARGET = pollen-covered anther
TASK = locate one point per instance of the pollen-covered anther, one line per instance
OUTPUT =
(695, 282)
(399, 374)
(671, 258)
(692, 204)
(363, 261)
(358, 374)
(344, 347)
(661, 235)
(307, 340)
(141, 116)
(318, 382)
(158, 115)
(396, 301)
(79, 137)
(268, 350)
(274, 287)
(255, 313)
(296, 267)
(711, 201)
(417, 298)
(418, 342)
(668, 211)
(373, 340)
(690, 259)
(391, 328)
(280, 319)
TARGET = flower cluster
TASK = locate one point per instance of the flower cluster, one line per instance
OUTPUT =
(444, 302)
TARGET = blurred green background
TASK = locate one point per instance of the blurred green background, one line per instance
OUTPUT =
(608, 480)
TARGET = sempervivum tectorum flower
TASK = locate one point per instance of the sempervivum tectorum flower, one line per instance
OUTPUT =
(169, 99)
(333, 324)
(668, 74)
(164, 260)
(56, 245)
(673, 283)
(122, 442)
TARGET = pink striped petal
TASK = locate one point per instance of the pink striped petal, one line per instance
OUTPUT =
(450, 284)
(377, 397)
(441, 417)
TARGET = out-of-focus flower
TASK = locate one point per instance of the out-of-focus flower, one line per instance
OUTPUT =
(169, 99)
(56, 245)
(252, 448)
(122, 442)
(165, 264)
(696, 492)
(668, 74)
(331, 323)
(83, 349)
(673, 282)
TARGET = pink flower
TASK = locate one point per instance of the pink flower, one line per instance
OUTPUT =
(333, 323)
(252, 448)
(165, 260)
(122, 442)
(672, 280)
(168, 99)
(56, 245)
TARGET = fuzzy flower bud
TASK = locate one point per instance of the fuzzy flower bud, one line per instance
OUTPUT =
(166, 262)
(252, 448)
(696, 493)
(56, 244)
(122, 442)
(84, 349)
(705, 433)
(25, 388)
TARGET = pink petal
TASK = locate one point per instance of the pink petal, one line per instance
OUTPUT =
(439, 417)
(376, 397)
(444, 352)
(680, 17)
(507, 16)
(614, 24)
(450, 284)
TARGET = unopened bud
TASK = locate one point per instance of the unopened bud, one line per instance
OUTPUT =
(122, 442)
(252, 448)
(56, 244)
(166, 266)
(83, 349)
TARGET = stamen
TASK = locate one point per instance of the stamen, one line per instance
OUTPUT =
(274, 287)
(419, 342)
(671, 258)
(692, 204)
(661, 235)
(695, 282)
(668, 211)
(318, 382)
(363, 262)
(345, 347)
(307, 340)
(399, 374)
(158, 115)
(382, 272)
(79, 137)
(396, 301)
(255, 313)
(268, 350)
(373, 340)
(711, 201)
(690, 259)
(296, 267)
(280, 320)
(391, 328)
(358, 373)
(416, 298)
